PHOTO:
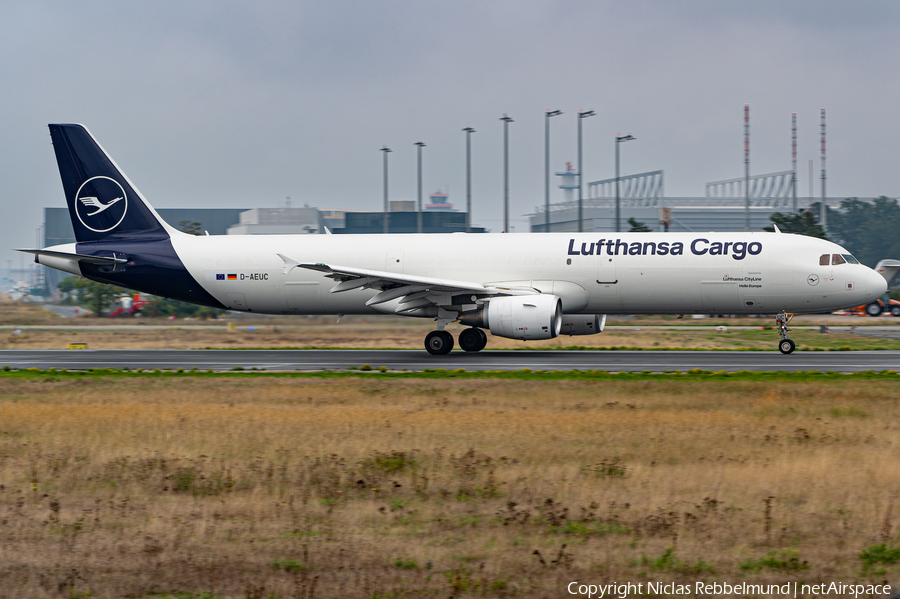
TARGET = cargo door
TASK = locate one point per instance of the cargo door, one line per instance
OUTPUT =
(607, 281)
(720, 297)
(779, 267)
(303, 297)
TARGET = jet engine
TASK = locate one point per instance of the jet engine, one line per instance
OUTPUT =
(527, 317)
(582, 324)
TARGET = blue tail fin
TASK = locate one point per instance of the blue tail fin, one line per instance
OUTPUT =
(103, 204)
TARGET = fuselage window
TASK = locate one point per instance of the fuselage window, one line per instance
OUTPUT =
(836, 259)
(850, 259)
(824, 260)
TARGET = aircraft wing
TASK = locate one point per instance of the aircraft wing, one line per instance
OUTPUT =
(413, 291)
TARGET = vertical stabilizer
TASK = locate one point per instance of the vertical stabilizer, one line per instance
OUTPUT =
(888, 269)
(102, 202)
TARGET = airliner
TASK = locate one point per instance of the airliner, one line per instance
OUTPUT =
(525, 286)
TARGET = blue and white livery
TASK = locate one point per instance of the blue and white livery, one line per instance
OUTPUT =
(522, 286)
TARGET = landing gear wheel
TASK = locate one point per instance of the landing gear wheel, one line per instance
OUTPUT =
(782, 321)
(874, 309)
(472, 339)
(438, 343)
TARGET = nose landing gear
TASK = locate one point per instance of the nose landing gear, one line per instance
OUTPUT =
(785, 346)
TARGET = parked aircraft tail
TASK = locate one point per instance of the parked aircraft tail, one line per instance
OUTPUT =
(103, 203)
(888, 269)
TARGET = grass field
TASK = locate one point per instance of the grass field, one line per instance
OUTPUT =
(265, 486)
(391, 332)
(410, 335)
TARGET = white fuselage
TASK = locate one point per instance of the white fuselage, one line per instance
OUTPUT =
(750, 273)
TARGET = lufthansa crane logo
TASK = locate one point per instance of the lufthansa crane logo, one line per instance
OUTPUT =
(101, 204)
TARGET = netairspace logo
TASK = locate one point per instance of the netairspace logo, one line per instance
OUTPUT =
(628, 589)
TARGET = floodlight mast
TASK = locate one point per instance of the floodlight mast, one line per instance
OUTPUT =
(419, 145)
(469, 131)
(547, 114)
(506, 121)
(386, 150)
(581, 115)
(619, 139)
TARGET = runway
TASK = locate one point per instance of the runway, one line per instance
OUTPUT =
(313, 360)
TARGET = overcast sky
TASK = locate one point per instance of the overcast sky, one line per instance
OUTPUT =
(240, 104)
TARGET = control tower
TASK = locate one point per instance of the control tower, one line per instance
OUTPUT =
(568, 181)
(439, 202)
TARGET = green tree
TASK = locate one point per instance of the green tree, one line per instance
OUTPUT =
(168, 307)
(67, 287)
(93, 295)
(637, 226)
(191, 227)
(867, 229)
(804, 222)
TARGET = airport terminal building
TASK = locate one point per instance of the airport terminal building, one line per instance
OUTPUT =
(642, 197)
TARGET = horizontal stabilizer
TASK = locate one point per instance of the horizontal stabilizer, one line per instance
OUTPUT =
(80, 257)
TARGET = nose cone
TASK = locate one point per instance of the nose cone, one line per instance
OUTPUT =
(876, 285)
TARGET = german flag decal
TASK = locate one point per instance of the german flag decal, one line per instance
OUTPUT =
(232, 277)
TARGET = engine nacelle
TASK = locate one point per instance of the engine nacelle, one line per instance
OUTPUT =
(527, 317)
(582, 324)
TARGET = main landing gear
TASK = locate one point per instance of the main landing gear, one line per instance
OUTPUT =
(785, 346)
(439, 343)
(472, 339)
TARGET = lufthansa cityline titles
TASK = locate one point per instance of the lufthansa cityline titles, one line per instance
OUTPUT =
(736, 249)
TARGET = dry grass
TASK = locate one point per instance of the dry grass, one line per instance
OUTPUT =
(265, 487)
(410, 335)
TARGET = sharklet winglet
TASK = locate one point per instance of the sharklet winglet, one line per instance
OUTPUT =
(289, 264)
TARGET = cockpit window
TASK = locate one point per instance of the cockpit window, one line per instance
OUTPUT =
(824, 260)
(837, 259)
(850, 259)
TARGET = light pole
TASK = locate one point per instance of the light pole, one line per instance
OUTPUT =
(823, 209)
(581, 115)
(794, 159)
(746, 167)
(619, 139)
(547, 114)
(419, 146)
(469, 131)
(506, 121)
(386, 150)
